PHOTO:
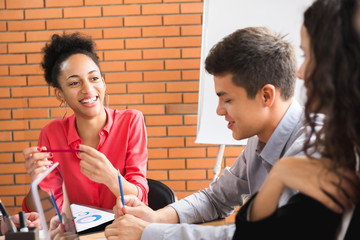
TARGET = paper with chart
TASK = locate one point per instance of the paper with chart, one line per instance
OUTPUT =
(88, 217)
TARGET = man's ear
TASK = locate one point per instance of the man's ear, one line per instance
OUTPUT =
(268, 94)
(59, 95)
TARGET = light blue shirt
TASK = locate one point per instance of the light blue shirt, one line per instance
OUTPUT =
(246, 176)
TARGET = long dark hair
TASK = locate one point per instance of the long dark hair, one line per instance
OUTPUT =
(333, 84)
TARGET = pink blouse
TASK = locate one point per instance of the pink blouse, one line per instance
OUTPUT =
(124, 142)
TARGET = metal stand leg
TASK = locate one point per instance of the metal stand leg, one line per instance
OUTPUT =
(219, 158)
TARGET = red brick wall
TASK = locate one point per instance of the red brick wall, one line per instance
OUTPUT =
(150, 54)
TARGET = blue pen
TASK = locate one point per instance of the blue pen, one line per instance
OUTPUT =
(121, 189)
(56, 207)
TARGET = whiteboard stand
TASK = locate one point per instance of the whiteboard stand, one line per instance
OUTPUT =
(219, 158)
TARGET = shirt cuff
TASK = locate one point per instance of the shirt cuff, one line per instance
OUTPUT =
(154, 231)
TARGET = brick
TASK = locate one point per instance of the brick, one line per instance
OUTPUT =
(122, 55)
(182, 19)
(181, 108)
(19, 157)
(183, 42)
(150, 109)
(6, 157)
(191, 53)
(123, 10)
(43, 102)
(141, 1)
(19, 200)
(126, 99)
(163, 98)
(113, 66)
(175, 185)
(106, 44)
(4, 70)
(46, 13)
(13, 147)
(161, 31)
(5, 114)
(229, 161)
(163, 120)
(182, 131)
(191, 30)
(26, 25)
(3, 26)
(142, 21)
(13, 4)
(104, 22)
(182, 87)
(160, 9)
(144, 43)
(14, 125)
(144, 65)
(36, 36)
(26, 135)
(82, 12)
(6, 179)
(189, 153)
(34, 58)
(201, 163)
(161, 53)
(187, 174)
(30, 113)
(157, 175)
(56, 113)
(157, 153)
(146, 87)
(155, 131)
(169, 1)
(192, 8)
(11, 14)
(22, 179)
(2, 4)
(123, 77)
(8, 201)
(36, 80)
(25, 47)
(190, 75)
(233, 151)
(4, 92)
(3, 47)
(190, 97)
(63, 3)
(39, 123)
(181, 195)
(166, 164)
(162, 76)
(14, 190)
(190, 119)
(12, 59)
(13, 103)
(166, 142)
(64, 24)
(29, 91)
(122, 32)
(198, 185)
(103, 2)
(5, 136)
(115, 88)
(93, 33)
(190, 142)
(25, 70)
(182, 64)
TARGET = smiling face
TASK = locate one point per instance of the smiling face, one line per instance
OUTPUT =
(81, 86)
(244, 115)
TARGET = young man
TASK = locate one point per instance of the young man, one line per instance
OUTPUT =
(254, 73)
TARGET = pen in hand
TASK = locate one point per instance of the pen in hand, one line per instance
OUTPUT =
(56, 207)
(121, 190)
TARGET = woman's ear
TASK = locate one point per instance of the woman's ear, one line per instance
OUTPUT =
(59, 95)
(104, 83)
(268, 94)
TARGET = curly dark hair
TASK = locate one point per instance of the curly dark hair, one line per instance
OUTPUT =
(255, 56)
(333, 85)
(61, 48)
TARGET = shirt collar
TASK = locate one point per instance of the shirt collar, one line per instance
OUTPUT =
(274, 148)
(73, 136)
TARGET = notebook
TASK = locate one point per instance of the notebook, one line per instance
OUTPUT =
(80, 219)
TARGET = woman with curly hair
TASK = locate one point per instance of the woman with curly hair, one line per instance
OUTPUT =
(329, 187)
(108, 140)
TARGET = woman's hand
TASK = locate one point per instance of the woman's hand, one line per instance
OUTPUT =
(97, 167)
(36, 162)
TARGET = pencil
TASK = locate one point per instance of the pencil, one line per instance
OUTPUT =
(60, 150)
(56, 207)
(121, 189)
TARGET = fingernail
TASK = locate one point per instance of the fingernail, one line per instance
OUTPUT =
(51, 155)
(39, 149)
